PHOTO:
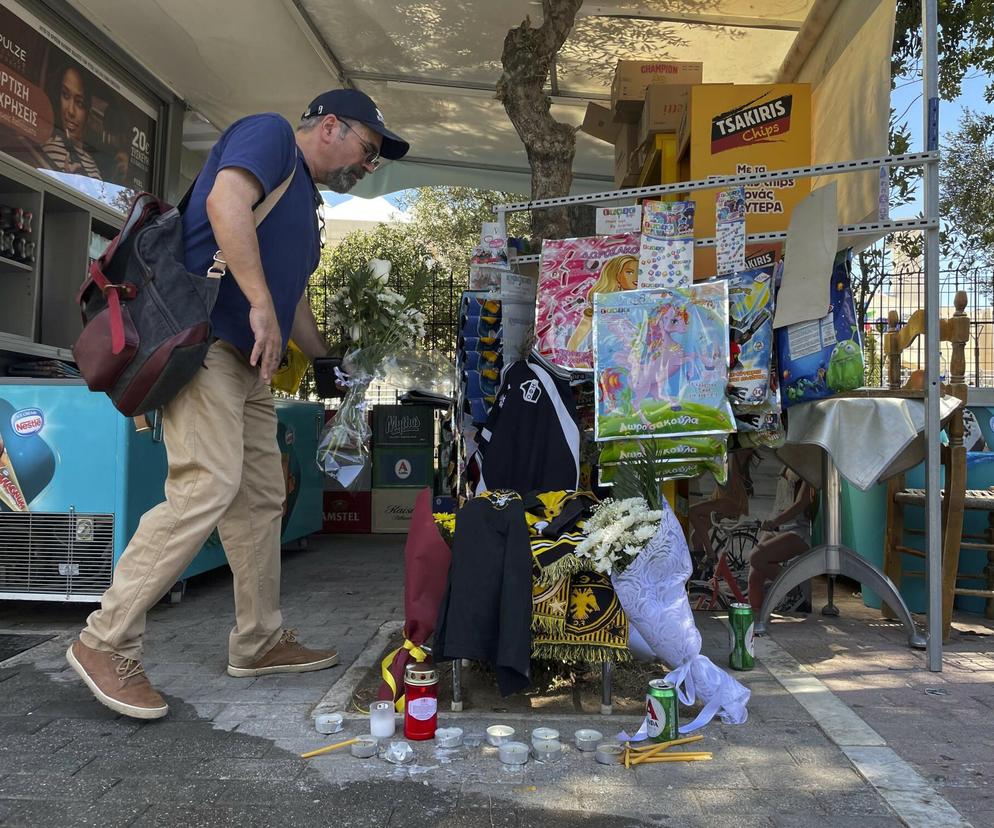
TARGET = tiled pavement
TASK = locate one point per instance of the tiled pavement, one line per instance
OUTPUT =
(228, 752)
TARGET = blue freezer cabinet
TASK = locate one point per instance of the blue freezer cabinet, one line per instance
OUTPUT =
(76, 476)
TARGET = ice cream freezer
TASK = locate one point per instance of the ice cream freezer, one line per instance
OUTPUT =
(76, 477)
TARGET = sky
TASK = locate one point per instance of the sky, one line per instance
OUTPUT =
(906, 99)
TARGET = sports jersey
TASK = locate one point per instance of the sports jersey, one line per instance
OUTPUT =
(531, 442)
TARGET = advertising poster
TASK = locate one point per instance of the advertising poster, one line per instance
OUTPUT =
(63, 114)
(571, 273)
(666, 257)
(661, 362)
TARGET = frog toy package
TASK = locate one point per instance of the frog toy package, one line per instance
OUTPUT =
(824, 356)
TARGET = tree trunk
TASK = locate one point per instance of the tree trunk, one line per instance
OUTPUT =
(550, 145)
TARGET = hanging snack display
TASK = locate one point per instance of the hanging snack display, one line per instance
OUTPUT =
(662, 362)
(572, 271)
(824, 356)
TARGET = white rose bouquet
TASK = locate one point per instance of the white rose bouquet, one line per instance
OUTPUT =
(617, 532)
(378, 326)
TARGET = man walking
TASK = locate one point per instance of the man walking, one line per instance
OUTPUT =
(220, 431)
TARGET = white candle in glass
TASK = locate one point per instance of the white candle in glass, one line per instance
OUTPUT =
(381, 720)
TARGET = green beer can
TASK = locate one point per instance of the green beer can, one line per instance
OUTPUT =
(741, 645)
(662, 711)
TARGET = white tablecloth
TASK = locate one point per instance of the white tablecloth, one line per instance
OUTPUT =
(869, 438)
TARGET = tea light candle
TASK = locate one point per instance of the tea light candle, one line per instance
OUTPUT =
(548, 751)
(609, 753)
(448, 737)
(381, 720)
(364, 747)
(513, 753)
(498, 735)
(588, 739)
(544, 735)
(328, 723)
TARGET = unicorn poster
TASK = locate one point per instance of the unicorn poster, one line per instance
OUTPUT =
(661, 362)
(572, 271)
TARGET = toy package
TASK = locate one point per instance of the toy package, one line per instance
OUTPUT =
(824, 356)
(571, 272)
(666, 256)
(661, 362)
(750, 311)
(729, 233)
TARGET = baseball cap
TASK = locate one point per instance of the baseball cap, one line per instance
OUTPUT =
(358, 106)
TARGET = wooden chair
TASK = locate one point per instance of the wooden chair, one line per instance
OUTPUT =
(955, 496)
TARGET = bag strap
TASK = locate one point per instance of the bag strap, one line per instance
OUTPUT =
(219, 266)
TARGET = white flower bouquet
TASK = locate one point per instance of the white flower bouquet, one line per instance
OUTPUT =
(380, 328)
(617, 532)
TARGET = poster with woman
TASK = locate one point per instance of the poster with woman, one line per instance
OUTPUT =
(661, 362)
(572, 271)
(62, 113)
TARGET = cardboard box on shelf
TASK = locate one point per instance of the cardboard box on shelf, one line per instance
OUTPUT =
(633, 76)
(392, 510)
(598, 121)
(734, 129)
(624, 154)
(663, 110)
(347, 512)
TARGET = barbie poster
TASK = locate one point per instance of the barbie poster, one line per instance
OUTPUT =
(661, 362)
(571, 273)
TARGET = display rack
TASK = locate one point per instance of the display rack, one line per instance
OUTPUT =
(929, 224)
(39, 316)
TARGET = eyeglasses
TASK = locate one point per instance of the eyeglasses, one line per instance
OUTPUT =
(372, 153)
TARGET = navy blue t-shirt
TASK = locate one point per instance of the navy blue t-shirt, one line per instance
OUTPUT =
(289, 243)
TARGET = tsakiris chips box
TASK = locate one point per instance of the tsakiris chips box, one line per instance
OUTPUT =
(747, 129)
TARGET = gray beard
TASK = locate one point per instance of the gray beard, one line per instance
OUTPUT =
(343, 179)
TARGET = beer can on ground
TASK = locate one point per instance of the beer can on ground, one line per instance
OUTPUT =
(662, 711)
(741, 646)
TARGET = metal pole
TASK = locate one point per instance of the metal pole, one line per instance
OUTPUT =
(933, 522)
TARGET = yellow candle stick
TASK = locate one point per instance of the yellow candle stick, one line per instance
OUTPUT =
(327, 749)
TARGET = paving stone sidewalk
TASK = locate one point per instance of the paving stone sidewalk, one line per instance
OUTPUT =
(228, 752)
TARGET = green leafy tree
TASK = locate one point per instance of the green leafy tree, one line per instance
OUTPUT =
(397, 243)
(967, 193)
(448, 220)
(965, 43)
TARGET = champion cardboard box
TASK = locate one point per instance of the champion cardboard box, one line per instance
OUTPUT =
(633, 76)
(732, 129)
(392, 510)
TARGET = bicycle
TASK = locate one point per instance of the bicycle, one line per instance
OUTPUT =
(732, 539)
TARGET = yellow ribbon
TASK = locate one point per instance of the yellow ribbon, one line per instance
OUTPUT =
(417, 654)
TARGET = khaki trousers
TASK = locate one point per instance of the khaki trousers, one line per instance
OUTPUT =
(225, 471)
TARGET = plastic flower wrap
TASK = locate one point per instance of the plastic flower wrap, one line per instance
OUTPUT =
(380, 329)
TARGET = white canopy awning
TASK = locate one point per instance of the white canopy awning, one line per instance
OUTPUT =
(432, 69)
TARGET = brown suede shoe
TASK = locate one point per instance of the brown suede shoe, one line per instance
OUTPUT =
(287, 656)
(117, 681)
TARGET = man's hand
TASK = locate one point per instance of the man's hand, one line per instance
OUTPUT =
(268, 346)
